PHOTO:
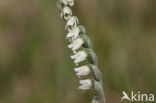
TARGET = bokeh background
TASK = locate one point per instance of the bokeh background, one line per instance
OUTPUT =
(35, 66)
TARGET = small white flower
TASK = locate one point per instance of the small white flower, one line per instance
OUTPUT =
(68, 2)
(71, 23)
(82, 71)
(73, 34)
(71, 2)
(79, 57)
(85, 84)
(66, 13)
(76, 44)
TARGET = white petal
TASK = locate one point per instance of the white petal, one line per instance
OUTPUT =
(84, 87)
(76, 32)
(76, 44)
(69, 35)
(72, 35)
(78, 60)
(79, 57)
(82, 71)
(74, 52)
(73, 57)
(70, 46)
(71, 21)
(67, 10)
(85, 84)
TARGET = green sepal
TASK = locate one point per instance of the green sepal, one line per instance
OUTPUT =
(99, 91)
(87, 42)
(92, 58)
(96, 72)
(82, 30)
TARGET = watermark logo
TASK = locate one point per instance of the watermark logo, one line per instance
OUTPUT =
(140, 97)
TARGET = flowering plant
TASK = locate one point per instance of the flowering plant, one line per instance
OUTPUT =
(82, 48)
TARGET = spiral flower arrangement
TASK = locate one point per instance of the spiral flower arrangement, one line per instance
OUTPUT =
(82, 48)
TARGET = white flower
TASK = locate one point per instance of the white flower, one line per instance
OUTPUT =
(73, 34)
(85, 84)
(71, 23)
(68, 2)
(76, 44)
(82, 71)
(66, 12)
(79, 56)
(71, 2)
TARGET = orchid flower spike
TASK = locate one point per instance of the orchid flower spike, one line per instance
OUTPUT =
(79, 57)
(85, 84)
(71, 23)
(66, 12)
(79, 40)
(82, 71)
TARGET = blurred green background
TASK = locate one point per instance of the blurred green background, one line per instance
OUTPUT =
(35, 66)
